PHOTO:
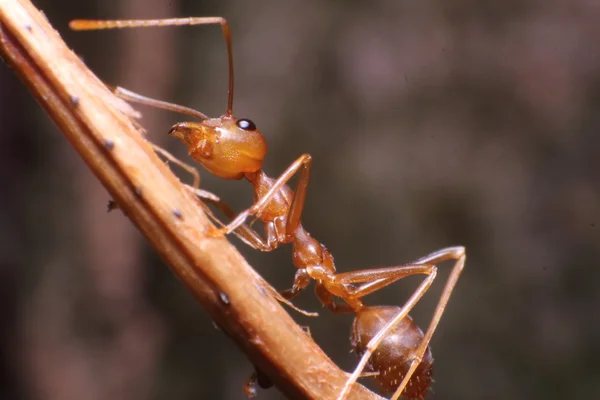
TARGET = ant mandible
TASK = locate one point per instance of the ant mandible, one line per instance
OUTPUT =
(389, 343)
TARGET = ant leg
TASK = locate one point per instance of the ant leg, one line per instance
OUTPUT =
(437, 315)
(295, 212)
(301, 281)
(327, 299)
(193, 171)
(447, 253)
(203, 196)
(380, 280)
(304, 162)
(344, 285)
(377, 278)
(252, 239)
(244, 232)
(281, 298)
(374, 279)
(374, 343)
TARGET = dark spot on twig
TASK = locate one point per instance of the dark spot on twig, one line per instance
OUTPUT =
(74, 100)
(262, 290)
(177, 213)
(138, 192)
(109, 144)
(263, 380)
(224, 298)
(112, 205)
(28, 27)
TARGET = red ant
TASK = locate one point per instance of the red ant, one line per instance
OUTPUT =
(390, 344)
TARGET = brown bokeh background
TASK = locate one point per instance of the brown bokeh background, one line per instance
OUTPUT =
(431, 123)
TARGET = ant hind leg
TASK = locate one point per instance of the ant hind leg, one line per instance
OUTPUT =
(379, 279)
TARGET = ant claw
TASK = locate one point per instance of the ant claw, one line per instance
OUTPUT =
(217, 232)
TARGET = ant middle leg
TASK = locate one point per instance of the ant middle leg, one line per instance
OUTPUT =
(301, 282)
(253, 239)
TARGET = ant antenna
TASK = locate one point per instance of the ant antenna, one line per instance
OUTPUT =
(83, 25)
(227, 34)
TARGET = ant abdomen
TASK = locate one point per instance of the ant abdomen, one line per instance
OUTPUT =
(392, 358)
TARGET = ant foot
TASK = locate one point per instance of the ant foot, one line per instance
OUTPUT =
(217, 232)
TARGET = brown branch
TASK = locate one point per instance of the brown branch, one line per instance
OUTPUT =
(98, 126)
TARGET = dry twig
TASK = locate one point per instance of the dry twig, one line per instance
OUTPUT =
(98, 126)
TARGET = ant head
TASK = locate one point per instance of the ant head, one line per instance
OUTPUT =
(226, 146)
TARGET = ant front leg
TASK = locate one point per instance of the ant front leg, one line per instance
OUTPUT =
(170, 157)
(244, 232)
(302, 164)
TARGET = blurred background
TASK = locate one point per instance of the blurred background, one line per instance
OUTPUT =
(431, 123)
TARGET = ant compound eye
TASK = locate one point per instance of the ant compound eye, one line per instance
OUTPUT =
(246, 125)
